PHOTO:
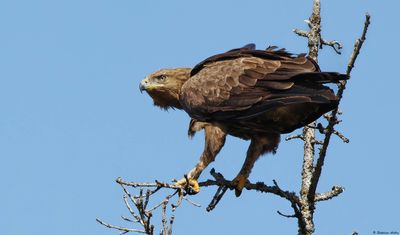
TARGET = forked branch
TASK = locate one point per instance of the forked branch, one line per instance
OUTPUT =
(311, 173)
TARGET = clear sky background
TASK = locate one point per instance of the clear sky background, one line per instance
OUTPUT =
(72, 118)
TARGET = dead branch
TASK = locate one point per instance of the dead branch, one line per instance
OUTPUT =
(311, 173)
(336, 46)
(157, 184)
(305, 217)
(222, 183)
(124, 230)
(292, 137)
(336, 190)
(142, 215)
(358, 44)
(332, 121)
(217, 197)
(301, 33)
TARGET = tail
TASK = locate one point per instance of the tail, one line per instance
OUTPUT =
(322, 77)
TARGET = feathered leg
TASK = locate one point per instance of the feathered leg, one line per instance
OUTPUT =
(259, 145)
(214, 141)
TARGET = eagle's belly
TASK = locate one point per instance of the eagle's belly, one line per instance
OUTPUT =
(280, 120)
(251, 128)
(245, 131)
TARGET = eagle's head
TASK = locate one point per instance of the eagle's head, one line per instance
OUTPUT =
(165, 85)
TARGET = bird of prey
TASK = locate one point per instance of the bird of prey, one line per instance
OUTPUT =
(252, 94)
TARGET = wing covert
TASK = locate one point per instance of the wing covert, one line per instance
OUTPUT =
(229, 88)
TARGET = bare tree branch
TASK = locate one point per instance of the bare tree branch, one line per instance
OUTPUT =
(333, 116)
(126, 230)
(301, 33)
(306, 224)
(259, 186)
(287, 216)
(336, 190)
(157, 184)
(358, 44)
(311, 173)
(217, 197)
(336, 46)
(298, 136)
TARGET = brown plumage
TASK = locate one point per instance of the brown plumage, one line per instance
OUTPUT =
(251, 94)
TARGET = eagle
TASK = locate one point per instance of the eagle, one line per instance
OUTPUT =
(248, 93)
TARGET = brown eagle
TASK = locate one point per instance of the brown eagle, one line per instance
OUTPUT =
(252, 94)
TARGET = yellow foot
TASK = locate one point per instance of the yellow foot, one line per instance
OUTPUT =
(239, 182)
(191, 186)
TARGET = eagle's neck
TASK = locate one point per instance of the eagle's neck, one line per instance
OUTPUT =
(166, 101)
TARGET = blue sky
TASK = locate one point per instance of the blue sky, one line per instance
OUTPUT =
(72, 118)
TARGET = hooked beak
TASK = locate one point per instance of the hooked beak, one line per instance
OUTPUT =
(143, 85)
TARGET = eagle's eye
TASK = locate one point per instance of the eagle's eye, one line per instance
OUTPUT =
(161, 78)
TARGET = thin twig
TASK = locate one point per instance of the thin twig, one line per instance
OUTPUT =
(180, 199)
(129, 220)
(358, 44)
(336, 190)
(301, 33)
(166, 199)
(298, 136)
(146, 202)
(131, 210)
(119, 228)
(287, 216)
(192, 202)
(341, 136)
(157, 184)
(217, 197)
(337, 46)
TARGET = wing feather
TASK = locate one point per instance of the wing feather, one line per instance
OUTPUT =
(244, 83)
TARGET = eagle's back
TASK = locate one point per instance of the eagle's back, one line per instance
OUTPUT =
(268, 90)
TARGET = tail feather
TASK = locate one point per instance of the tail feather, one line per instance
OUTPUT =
(322, 77)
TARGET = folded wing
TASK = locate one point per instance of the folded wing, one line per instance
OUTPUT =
(244, 83)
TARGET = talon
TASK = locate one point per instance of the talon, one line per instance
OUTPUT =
(191, 188)
(239, 182)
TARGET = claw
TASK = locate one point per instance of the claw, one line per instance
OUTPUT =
(239, 182)
(191, 186)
